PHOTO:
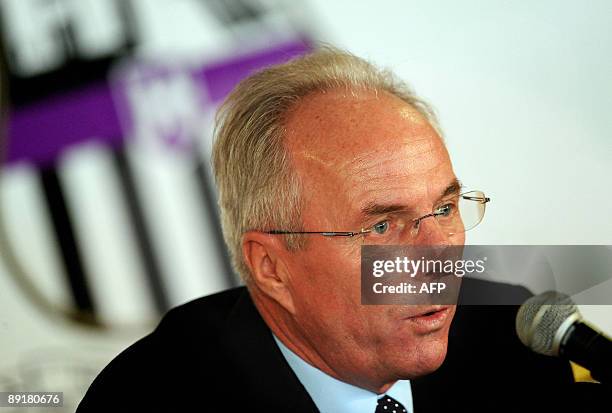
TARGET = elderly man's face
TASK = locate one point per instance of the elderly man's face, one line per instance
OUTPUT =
(353, 151)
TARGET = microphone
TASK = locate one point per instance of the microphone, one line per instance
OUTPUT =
(551, 324)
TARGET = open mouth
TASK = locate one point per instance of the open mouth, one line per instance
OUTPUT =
(431, 312)
(431, 317)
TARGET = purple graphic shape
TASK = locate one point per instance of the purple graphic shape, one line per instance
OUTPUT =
(220, 78)
(40, 132)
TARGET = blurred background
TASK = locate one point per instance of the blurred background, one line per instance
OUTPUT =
(107, 208)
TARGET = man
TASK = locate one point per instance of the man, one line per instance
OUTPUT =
(314, 159)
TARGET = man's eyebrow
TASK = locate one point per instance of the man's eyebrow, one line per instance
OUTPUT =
(375, 209)
(452, 189)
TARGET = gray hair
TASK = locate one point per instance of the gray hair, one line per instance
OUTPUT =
(258, 188)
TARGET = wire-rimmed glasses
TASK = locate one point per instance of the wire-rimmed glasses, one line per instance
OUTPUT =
(454, 215)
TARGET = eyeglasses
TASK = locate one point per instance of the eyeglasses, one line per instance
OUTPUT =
(454, 215)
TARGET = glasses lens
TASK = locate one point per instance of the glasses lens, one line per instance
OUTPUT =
(455, 215)
(471, 209)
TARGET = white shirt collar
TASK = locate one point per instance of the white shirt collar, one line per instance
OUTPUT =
(335, 396)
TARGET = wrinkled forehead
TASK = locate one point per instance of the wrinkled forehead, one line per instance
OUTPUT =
(344, 135)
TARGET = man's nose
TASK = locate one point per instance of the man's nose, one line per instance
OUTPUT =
(430, 233)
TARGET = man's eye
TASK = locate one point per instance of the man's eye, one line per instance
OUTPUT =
(381, 227)
(445, 210)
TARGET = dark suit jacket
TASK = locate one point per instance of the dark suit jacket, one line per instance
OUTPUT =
(217, 351)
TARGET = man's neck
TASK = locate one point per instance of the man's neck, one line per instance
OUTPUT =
(284, 328)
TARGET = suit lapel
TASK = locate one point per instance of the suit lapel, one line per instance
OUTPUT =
(264, 373)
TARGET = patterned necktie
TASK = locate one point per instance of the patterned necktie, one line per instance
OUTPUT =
(388, 404)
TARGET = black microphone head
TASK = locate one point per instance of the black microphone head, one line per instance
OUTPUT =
(542, 321)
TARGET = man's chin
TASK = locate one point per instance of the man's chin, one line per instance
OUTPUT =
(427, 359)
(433, 361)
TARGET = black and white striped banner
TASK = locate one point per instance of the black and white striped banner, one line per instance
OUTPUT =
(107, 197)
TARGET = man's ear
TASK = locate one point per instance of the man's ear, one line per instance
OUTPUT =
(263, 254)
